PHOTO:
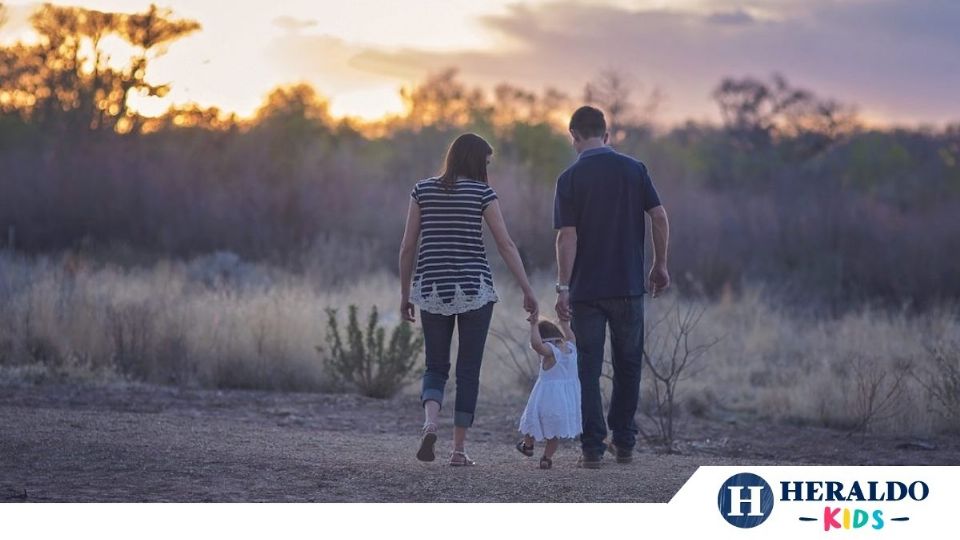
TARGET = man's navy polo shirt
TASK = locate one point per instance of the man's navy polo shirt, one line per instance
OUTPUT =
(604, 194)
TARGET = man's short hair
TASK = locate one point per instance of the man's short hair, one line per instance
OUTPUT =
(588, 122)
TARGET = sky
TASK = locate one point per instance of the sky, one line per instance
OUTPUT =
(897, 61)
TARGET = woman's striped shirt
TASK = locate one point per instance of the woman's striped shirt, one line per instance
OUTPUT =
(452, 274)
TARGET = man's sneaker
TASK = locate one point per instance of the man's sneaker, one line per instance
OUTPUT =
(589, 462)
(623, 455)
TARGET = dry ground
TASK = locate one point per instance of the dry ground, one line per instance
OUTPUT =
(150, 443)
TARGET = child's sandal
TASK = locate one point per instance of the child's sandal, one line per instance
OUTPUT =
(461, 459)
(546, 463)
(524, 449)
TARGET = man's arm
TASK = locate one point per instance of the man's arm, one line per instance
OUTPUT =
(566, 254)
(660, 225)
(567, 331)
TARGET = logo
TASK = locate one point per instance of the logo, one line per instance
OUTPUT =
(745, 500)
(839, 516)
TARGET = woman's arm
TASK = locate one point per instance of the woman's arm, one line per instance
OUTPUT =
(508, 250)
(544, 350)
(408, 248)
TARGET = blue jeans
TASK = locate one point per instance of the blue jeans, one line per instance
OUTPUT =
(590, 319)
(472, 329)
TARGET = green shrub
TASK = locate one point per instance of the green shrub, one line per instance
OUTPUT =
(363, 362)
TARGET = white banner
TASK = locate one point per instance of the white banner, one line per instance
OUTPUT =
(715, 503)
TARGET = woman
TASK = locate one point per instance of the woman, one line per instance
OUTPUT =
(453, 284)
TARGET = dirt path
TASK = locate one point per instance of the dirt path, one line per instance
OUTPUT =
(146, 443)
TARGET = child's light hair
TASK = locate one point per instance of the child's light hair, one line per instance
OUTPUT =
(549, 330)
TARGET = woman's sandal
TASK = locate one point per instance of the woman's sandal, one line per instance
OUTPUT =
(524, 449)
(461, 459)
(546, 463)
(428, 438)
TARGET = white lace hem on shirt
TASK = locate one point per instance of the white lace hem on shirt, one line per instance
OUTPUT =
(460, 303)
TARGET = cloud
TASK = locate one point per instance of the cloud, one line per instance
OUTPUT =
(734, 17)
(331, 63)
(898, 60)
(293, 24)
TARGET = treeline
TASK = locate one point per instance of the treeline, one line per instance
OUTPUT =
(790, 190)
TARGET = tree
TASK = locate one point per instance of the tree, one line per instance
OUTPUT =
(758, 114)
(298, 104)
(443, 101)
(192, 115)
(150, 33)
(612, 92)
(65, 82)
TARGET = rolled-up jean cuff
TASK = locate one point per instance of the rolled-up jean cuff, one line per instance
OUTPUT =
(462, 419)
(431, 394)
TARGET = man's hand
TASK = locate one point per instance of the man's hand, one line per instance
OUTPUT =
(659, 279)
(564, 312)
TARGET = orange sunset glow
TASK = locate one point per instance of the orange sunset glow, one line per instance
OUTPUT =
(358, 54)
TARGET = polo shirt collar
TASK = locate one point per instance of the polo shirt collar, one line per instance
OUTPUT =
(595, 151)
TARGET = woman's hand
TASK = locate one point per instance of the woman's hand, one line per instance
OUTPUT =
(530, 305)
(407, 310)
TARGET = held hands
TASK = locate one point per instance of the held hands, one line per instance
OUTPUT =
(659, 279)
(530, 305)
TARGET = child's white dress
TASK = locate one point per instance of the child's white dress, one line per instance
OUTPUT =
(553, 409)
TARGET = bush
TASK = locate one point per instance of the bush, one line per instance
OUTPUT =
(363, 362)
(942, 382)
(670, 355)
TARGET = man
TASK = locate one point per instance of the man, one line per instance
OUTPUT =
(599, 213)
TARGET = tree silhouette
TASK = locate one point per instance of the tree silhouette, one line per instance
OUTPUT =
(296, 104)
(615, 94)
(444, 102)
(65, 83)
(756, 114)
(192, 115)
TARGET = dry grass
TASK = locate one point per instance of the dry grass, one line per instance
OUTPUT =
(219, 322)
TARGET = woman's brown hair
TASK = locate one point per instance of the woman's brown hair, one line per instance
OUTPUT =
(466, 158)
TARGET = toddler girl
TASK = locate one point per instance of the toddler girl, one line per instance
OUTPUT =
(553, 410)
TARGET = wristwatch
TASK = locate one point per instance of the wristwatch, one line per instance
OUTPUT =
(562, 288)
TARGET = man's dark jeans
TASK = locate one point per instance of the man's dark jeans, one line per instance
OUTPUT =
(590, 319)
(437, 336)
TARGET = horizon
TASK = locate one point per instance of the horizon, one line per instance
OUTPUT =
(359, 58)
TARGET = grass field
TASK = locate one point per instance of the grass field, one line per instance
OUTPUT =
(218, 322)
